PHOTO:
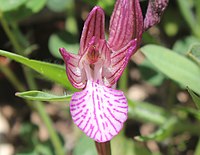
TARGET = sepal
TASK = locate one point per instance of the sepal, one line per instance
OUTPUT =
(75, 74)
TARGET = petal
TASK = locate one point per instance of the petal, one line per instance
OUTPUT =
(104, 52)
(154, 11)
(94, 26)
(119, 60)
(75, 75)
(99, 111)
(126, 24)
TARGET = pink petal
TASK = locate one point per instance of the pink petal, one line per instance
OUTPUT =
(75, 75)
(104, 52)
(154, 11)
(94, 26)
(99, 111)
(126, 24)
(119, 60)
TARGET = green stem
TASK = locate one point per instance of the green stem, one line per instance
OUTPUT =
(30, 80)
(14, 81)
(18, 34)
(187, 13)
(11, 77)
(53, 135)
(9, 34)
(41, 110)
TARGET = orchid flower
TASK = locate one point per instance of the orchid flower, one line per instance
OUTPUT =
(99, 110)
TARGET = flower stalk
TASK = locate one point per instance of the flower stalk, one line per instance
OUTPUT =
(103, 148)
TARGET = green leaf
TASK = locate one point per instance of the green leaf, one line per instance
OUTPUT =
(58, 5)
(194, 53)
(27, 9)
(162, 133)
(53, 72)
(71, 26)
(64, 39)
(182, 46)
(175, 66)
(85, 146)
(195, 98)
(9, 5)
(42, 96)
(35, 5)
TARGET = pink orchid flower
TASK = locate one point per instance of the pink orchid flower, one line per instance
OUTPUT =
(99, 110)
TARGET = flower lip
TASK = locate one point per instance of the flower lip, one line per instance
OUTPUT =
(99, 111)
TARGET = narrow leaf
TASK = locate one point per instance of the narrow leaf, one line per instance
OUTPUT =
(195, 98)
(175, 66)
(53, 72)
(9, 5)
(42, 96)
